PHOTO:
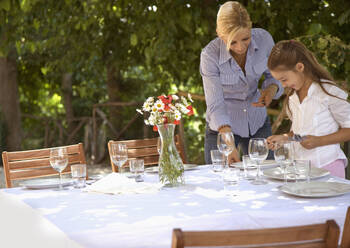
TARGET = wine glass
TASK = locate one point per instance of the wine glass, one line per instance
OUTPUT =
(226, 144)
(284, 156)
(119, 154)
(258, 152)
(59, 161)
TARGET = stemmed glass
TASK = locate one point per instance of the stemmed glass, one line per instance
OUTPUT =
(226, 144)
(258, 152)
(119, 154)
(59, 161)
(284, 156)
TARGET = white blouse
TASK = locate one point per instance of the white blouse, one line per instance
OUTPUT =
(319, 114)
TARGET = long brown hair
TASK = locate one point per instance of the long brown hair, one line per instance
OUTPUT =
(287, 53)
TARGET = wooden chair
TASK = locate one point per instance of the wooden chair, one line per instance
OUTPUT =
(308, 236)
(35, 163)
(146, 149)
(345, 241)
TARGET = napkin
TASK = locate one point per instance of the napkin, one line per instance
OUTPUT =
(116, 183)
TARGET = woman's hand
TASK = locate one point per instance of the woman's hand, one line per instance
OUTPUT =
(275, 139)
(233, 157)
(266, 96)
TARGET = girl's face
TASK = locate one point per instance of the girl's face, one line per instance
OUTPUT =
(240, 43)
(294, 79)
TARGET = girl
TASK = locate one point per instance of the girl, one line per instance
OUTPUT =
(231, 66)
(318, 108)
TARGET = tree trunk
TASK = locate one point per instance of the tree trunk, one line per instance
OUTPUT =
(67, 101)
(113, 80)
(9, 102)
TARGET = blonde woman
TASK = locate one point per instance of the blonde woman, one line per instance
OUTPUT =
(231, 66)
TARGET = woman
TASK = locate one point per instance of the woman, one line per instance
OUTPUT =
(231, 67)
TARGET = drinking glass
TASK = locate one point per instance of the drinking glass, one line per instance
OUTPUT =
(119, 154)
(246, 161)
(302, 169)
(137, 167)
(226, 144)
(258, 152)
(59, 161)
(230, 177)
(218, 160)
(284, 156)
(78, 175)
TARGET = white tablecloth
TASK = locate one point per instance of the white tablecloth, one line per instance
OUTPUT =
(147, 220)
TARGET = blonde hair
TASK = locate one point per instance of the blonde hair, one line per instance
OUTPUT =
(287, 53)
(231, 18)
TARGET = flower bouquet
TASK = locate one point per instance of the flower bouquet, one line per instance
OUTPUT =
(163, 113)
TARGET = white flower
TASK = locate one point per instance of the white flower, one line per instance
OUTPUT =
(175, 97)
(151, 119)
(177, 115)
(154, 109)
(146, 122)
(190, 97)
(146, 106)
(172, 107)
(184, 101)
(139, 110)
(182, 108)
(150, 99)
(159, 105)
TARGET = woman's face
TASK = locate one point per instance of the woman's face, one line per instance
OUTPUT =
(240, 43)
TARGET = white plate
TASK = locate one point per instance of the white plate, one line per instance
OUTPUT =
(153, 169)
(264, 165)
(46, 183)
(187, 167)
(277, 173)
(316, 189)
(190, 167)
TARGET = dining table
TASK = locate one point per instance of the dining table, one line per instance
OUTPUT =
(81, 218)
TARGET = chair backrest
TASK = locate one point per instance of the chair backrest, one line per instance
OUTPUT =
(345, 241)
(316, 235)
(146, 149)
(35, 163)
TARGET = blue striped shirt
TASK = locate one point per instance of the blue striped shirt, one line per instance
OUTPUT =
(228, 92)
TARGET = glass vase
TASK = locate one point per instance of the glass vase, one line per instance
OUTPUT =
(171, 169)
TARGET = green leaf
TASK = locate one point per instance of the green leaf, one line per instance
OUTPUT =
(133, 39)
(322, 43)
(315, 28)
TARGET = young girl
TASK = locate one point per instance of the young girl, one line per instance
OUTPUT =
(318, 109)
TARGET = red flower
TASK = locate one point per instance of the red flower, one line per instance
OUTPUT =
(176, 122)
(155, 129)
(166, 107)
(190, 109)
(166, 99)
(165, 119)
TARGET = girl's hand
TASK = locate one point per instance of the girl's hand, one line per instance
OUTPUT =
(310, 142)
(272, 140)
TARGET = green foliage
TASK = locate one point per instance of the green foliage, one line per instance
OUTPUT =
(332, 53)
